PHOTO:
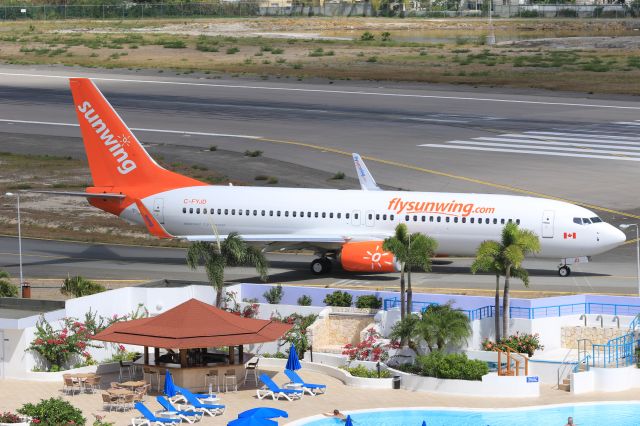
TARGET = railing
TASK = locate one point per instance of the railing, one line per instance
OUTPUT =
(565, 367)
(536, 312)
(511, 359)
(616, 352)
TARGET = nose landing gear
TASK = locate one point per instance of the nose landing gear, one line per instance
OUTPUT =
(564, 271)
(563, 268)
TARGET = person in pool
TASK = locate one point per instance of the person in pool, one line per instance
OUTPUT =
(570, 422)
(337, 414)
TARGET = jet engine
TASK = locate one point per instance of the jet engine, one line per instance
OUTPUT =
(367, 256)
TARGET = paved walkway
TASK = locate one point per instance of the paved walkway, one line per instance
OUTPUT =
(14, 393)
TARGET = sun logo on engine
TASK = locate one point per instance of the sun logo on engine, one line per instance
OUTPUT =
(377, 258)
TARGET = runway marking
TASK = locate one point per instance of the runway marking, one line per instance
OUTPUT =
(560, 144)
(138, 129)
(340, 92)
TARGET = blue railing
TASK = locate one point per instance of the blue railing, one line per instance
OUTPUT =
(616, 352)
(533, 313)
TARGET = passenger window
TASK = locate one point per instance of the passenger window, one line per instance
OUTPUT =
(464, 220)
(212, 211)
(226, 212)
(438, 219)
(219, 211)
(447, 219)
(510, 220)
(240, 212)
(370, 216)
(247, 212)
(233, 212)
(308, 214)
(198, 210)
(263, 212)
(502, 221)
(392, 217)
(190, 210)
(430, 218)
(294, 213)
(406, 218)
(184, 210)
(278, 213)
(455, 220)
(518, 221)
(270, 212)
(316, 214)
(356, 216)
(377, 216)
(424, 218)
(346, 215)
(324, 215)
(487, 220)
(255, 212)
(330, 215)
(415, 218)
(471, 220)
(286, 213)
(495, 221)
(480, 221)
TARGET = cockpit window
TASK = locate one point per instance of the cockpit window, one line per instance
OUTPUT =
(585, 220)
(577, 220)
(596, 220)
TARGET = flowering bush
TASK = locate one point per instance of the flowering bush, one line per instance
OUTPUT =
(370, 349)
(59, 346)
(521, 343)
(230, 304)
(298, 333)
(53, 412)
(8, 417)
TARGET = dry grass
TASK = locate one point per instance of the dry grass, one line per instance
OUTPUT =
(163, 45)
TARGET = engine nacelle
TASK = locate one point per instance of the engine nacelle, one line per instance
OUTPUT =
(367, 256)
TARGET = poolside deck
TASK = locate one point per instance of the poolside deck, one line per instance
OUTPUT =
(14, 393)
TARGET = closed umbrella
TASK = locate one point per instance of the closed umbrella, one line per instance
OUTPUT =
(293, 363)
(169, 387)
(264, 412)
(349, 422)
(424, 423)
(252, 421)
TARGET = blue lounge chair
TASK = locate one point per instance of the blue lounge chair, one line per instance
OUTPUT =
(194, 401)
(310, 388)
(150, 419)
(275, 391)
(189, 414)
(180, 397)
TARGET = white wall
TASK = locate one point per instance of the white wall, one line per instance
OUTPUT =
(605, 380)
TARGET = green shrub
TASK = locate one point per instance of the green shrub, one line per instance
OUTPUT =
(529, 14)
(367, 36)
(213, 148)
(362, 371)
(372, 59)
(338, 298)
(261, 177)
(521, 343)
(256, 153)
(385, 36)
(53, 412)
(304, 300)
(278, 355)
(272, 180)
(7, 289)
(369, 301)
(277, 51)
(78, 286)
(173, 44)
(274, 295)
(338, 176)
(451, 366)
(232, 50)
(568, 13)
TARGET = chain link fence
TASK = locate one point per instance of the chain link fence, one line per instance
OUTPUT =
(243, 8)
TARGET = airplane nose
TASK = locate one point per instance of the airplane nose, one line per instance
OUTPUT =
(616, 237)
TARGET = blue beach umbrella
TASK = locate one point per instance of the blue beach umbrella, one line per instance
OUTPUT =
(169, 387)
(424, 423)
(349, 422)
(263, 412)
(293, 363)
(252, 421)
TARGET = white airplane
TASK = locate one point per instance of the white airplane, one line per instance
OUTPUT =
(345, 226)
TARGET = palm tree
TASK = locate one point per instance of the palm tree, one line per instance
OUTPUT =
(488, 260)
(215, 257)
(514, 245)
(441, 325)
(79, 286)
(7, 289)
(404, 330)
(409, 250)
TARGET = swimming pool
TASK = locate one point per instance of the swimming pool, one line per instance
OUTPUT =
(587, 414)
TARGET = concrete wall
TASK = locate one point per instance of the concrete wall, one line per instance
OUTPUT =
(605, 380)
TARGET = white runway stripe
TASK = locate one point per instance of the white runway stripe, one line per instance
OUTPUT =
(581, 136)
(570, 145)
(548, 148)
(524, 151)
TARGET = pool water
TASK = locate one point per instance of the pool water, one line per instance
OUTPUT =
(614, 414)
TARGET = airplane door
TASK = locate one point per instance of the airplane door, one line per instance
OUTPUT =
(158, 209)
(547, 223)
(369, 218)
(355, 218)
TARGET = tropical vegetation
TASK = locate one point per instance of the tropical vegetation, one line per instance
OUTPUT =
(8, 417)
(371, 348)
(338, 298)
(304, 300)
(274, 295)
(411, 251)
(369, 301)
(441, 325)
(405, 330)
(451, 366)
(521, 343)
(7, 289)
(504, 258)
(362, 371)
(78, 286)
(215, 257)
(53, 412)
(297, 335)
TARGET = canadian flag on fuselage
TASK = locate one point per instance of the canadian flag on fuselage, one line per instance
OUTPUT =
(569, 235)
(118, 162)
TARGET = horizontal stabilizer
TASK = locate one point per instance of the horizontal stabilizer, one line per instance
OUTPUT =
(367, 182)
(80, 194)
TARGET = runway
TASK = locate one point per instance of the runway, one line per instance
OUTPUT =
(416, 137)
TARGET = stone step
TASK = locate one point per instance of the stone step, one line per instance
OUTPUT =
(564, 387)
(566, 381)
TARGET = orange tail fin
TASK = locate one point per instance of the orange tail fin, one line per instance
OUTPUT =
(116, 158)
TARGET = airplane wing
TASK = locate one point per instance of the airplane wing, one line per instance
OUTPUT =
(367, 182)
(311, 239)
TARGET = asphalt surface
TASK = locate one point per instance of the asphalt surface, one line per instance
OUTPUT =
(478, 140)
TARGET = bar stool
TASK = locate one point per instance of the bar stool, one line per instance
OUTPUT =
(251, 369)
(152, 374)
(230, 379)
(125, 369)
(211, 378)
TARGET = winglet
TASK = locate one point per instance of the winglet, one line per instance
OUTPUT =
(367, 182)
(153, 226)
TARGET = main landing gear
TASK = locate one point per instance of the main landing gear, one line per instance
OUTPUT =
(564, 271)
(321, 266)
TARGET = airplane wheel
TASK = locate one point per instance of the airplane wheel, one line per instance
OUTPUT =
(564, 271)
(321, 266)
